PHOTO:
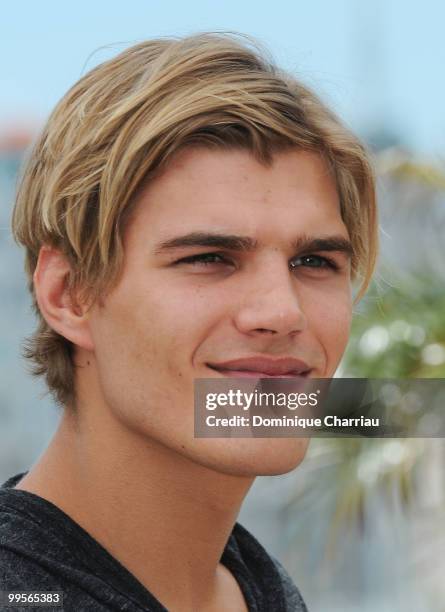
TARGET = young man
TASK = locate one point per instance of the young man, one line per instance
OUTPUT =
(188, 212)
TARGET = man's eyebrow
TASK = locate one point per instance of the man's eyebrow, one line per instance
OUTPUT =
(339, 244)
(232, 242)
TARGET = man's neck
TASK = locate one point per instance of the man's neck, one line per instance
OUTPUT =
(162, 516)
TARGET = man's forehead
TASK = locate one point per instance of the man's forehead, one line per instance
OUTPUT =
(282, 207)
(201, 168)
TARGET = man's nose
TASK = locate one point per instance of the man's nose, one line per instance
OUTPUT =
(271, 304)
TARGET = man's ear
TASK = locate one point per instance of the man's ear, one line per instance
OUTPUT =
(62, 313)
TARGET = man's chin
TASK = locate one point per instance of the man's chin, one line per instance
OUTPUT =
(251, 457)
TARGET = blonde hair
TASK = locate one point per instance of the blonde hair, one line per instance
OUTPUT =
(121, 123)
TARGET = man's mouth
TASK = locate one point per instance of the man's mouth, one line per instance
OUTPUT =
(262, 367)
(251, 374)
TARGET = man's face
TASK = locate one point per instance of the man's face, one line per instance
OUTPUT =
(182, 308)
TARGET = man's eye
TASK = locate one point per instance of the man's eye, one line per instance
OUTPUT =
(305, 261)
(313, 261)
(205, 259)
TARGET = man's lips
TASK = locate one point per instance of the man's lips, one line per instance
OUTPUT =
(263, 367)
(252, 374)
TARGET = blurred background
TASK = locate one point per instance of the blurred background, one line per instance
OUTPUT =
(360, 524)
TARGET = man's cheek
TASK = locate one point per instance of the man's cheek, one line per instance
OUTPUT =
(340, 328)
(332, 327)
(340, 322)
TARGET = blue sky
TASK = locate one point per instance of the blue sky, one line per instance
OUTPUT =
(380, 64)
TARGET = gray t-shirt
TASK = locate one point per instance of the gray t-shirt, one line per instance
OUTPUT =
(43, 549)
